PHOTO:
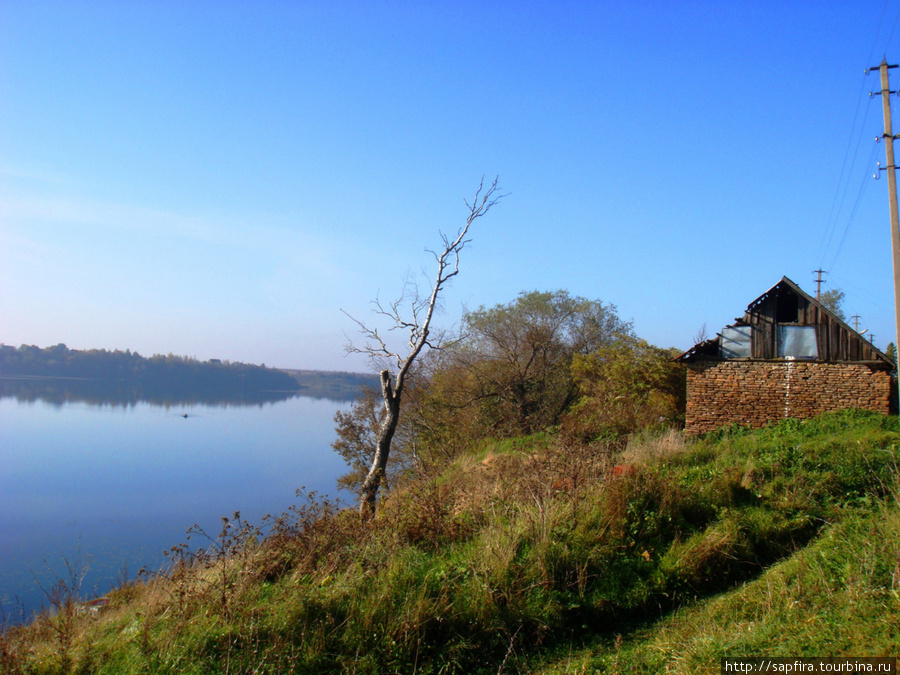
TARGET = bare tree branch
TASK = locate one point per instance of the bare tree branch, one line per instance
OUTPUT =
(416, 320)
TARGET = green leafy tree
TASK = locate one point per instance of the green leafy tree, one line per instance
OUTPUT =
(357, 437)
(512, 367)
(891, 353)
(446, 416)
(832, 301)
(624, 387)
(357, 429)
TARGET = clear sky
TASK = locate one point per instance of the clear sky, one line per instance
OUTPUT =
(221, 179)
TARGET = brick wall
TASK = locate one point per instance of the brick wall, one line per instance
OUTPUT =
(757, 393)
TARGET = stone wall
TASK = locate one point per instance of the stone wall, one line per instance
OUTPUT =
(757, 393)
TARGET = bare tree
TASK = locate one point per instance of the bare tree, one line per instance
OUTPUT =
(701, 335)
(413, 312)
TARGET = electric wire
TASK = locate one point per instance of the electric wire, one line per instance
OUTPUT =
(865, 293)
(891, 35)
(864, 183)
(840, 194)
(844, 181)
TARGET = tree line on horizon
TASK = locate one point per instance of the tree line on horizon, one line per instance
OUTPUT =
(152, 376)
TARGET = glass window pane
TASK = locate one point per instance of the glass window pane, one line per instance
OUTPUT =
(798, 342)
(736, 342)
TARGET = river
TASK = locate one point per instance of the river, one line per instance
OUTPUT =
(100, 491)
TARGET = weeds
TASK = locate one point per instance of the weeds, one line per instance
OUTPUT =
(63, 618)
(510, 553)
(301, 538)
(224, 557)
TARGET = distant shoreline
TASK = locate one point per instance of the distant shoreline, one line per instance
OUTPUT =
(61, 374)
(45, 377)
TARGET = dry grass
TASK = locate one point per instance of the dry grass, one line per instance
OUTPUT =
(655, 447)
(512, 552)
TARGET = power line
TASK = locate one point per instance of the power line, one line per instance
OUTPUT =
(891, 36)
(862, 294)
(864, 183)
(843, 186)
(840, 193)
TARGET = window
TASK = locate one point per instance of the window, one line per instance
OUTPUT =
(798, 342)
(736, 342)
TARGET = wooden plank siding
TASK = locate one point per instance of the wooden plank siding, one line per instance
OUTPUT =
(787, 304)
(836, 340)
(847, 370)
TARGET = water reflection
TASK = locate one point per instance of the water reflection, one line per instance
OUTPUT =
(123, 393)
(58, 391)
(116, 480)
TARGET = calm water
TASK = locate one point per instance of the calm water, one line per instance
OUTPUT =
(110, 487)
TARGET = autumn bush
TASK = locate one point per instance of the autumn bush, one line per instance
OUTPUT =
(625, 387)
(546, 361)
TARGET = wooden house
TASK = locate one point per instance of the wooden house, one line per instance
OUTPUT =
(788, 356)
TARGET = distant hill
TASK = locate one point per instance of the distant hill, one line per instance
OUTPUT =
(98, 375)
(339, 386)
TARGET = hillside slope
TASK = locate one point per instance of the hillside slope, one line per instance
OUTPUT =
(534, 555)
(836, 597)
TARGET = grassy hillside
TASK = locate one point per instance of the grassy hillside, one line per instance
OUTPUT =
(533, 555)
(837, 596)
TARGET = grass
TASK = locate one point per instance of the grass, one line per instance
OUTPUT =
(836, 597)
(535, 555)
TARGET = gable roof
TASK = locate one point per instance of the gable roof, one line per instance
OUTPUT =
(763, 313)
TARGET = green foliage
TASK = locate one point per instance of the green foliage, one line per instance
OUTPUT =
(356, 432)
(447, 417)
(891, 353)
(518, 355)
(625, 386)
(518, 370)
(510, 373)
(832, 301)
(517, 556)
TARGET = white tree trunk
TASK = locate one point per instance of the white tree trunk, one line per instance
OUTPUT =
(419, 327)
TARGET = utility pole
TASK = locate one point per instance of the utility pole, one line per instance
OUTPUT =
(856, 319)
(892, 186)
(819, 283)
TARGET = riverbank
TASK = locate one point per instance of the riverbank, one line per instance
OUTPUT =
(533, 556)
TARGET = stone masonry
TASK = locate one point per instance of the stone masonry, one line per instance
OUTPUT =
(758, 393)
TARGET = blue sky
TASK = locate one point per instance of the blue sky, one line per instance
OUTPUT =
(221, 179)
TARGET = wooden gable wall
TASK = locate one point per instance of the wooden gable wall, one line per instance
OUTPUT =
(784, 305)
